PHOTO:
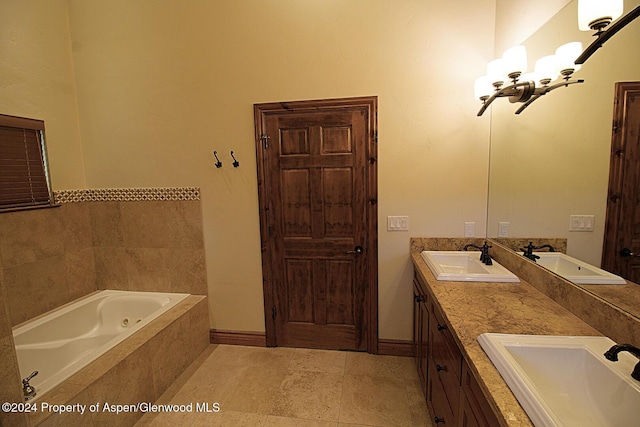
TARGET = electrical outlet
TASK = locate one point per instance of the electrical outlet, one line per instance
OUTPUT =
(469, 229)
(503, 229)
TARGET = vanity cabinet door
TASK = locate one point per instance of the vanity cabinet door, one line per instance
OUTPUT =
(468, 417)
(416, 323)
(445, 360)
(438, 401)
(444, 350)
(424, 343)
(453, 395)
(420, 331)
(474, 408)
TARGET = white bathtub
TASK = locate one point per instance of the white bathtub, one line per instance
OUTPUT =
(62, 342)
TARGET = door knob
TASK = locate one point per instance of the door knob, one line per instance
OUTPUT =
(357, 250)
(626, 252)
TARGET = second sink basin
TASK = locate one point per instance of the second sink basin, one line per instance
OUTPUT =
(577, 271)
(566, 381)
(465, 266)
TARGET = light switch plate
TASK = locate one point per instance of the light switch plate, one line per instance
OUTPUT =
(581, 222)
(398, 223)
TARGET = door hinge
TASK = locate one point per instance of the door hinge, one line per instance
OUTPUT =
(375, 137)
(616, 126)
(265, 140)
(273, 312)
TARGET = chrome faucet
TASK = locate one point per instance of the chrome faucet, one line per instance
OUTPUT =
(527, 251)
(28, 390)
(485, 258)
(612, 354)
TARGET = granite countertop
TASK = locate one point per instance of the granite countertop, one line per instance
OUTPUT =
(473, 308)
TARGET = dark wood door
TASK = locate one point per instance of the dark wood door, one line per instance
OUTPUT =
(317, 166)
(622, 229)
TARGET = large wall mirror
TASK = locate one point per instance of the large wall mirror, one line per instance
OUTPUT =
(552, 160)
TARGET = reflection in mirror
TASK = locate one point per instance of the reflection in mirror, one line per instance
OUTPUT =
(552, 161)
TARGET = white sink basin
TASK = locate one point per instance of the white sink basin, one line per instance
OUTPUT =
(463, 266)
(576, 271)
(566, 381)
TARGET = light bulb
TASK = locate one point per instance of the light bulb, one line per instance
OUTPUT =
(566, 56)
(495, 71)
(546, 68)
(597, 14)
(483, 87)
(515, 61)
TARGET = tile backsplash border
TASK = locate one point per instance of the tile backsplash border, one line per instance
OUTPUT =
(127, 194)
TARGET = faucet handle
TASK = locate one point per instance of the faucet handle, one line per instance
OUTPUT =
(28, 390)
(26, 380)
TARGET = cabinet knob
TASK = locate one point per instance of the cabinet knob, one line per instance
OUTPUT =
(441, 327)
(438, 420)
(441, 368)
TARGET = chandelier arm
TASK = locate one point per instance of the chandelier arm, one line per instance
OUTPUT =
(607, 34)
(505, 91)
(529, 102)
(566, 83)
(546, 90)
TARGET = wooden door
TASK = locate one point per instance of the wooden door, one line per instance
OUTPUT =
(317, 193)
(622, 229)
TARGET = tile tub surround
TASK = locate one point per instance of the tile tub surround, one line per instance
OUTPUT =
(471, 309)
(46, 258)
(49, 257)
(123, 239)
(159, 243)
(10, 390)
(139, 369)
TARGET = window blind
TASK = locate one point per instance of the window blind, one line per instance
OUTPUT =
(23, 171)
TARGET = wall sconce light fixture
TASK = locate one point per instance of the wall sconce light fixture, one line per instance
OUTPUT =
(596, 15)
(593, 15)
(526, 88)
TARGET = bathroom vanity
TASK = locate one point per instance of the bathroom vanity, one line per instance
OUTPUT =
(461, 385)
(452, 392)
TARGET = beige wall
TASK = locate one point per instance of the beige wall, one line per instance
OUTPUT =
(161, 84)
(517, 20)
(36, 80)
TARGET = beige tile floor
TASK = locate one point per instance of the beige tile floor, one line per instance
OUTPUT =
(256, 386)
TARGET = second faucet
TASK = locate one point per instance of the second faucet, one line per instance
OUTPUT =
(485, 258)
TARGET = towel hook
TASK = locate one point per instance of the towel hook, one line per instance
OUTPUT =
(218, 163)
(235, 162)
